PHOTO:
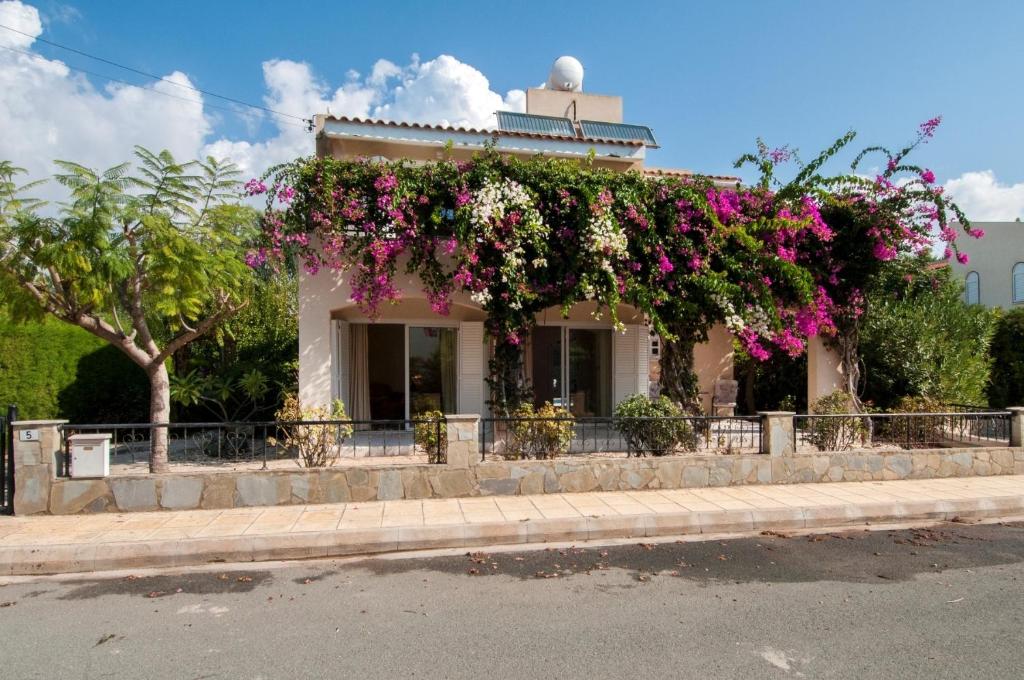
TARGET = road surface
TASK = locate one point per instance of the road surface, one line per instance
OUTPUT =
(942, 602)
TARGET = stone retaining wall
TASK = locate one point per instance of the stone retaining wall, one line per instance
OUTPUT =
(234, 489)
(38, 490)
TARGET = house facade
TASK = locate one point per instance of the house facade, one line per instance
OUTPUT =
(412, 359)
(994, 273)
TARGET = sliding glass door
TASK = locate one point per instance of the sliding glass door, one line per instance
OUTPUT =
(401, 371)
(432, 370)
(572, 368)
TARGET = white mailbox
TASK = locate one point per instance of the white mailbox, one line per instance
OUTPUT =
(90, 454)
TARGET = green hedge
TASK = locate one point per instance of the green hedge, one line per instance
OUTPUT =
(51, 369)
(1006, 384)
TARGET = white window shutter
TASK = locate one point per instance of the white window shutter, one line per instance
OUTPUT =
(340, 360)
(630, 359)
(471, 367)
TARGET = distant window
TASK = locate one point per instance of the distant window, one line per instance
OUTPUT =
(655, 344)
(1018, 282)
(973, 288)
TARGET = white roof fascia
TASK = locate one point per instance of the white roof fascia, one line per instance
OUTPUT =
(428, 137)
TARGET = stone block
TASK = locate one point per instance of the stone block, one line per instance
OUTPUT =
(669, 473)
(390, 486)
(32, 489)
(452, 484)
(533, 483)
(551, 481)
(499, 487)
(720, 474)
(305, 488)
(181, 493)
(134, 494)
(635, 479)
(334, 486)
(695, 476)
(218, 492)
(260, 489)
(580, 480)
(71, 496)
(415, 483)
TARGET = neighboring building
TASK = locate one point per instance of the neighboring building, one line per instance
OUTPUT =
(412, 359)
(994, 273)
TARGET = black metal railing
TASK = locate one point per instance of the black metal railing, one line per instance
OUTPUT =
(7, 460)
(515, 438)
(311, 443)
(840, 432)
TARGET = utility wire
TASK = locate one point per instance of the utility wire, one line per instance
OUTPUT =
(141, 86)
(307, 121)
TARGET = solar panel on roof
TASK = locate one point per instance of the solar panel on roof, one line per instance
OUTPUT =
(596, 129)
(509, 121)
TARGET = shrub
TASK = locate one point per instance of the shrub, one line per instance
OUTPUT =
(920, 339)
(317, 444)
(835, 434)
(542, 433)
(1006, 384)
(430, 432)
(654, 426)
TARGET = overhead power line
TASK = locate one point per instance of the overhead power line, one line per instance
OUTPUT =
(150, 88)
(306, 121)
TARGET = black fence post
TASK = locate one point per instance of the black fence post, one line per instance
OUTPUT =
(8, 447)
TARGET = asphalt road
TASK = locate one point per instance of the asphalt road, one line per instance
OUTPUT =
(944, 602)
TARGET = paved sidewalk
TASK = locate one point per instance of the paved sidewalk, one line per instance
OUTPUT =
(47, 544)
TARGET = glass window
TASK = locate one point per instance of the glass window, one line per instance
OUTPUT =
(1018, 282)
(590, 372)
(972, 289)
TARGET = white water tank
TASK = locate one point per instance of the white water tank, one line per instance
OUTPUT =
(566, 74)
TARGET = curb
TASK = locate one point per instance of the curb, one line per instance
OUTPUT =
(77, 558)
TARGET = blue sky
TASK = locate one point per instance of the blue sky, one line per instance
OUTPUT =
(708, 77)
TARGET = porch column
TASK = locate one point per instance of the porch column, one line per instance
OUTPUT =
(463, 439)
(777, 433)
(1016, 425)
(37, 451)
(824, 370)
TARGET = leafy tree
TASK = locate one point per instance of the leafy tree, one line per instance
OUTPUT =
(147, 258)
(1006, 386)
(920, 339)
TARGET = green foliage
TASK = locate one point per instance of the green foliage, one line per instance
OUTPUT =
(919, 338)
(538, 433)
(1006, 386)
(836, 434)
(53, 370)
(242, 369)
(430, 432)
(654, 426)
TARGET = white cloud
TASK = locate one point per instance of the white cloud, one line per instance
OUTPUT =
(49, 111)
(984, 199)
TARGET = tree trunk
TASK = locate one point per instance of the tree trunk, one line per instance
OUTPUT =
(678, 379)
(159, 412)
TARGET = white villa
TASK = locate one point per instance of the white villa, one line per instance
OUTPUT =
(412, 359)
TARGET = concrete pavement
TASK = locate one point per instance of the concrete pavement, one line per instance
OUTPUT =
(79, 543)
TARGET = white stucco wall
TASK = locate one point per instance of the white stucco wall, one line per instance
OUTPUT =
(993, 257)
(325, 299)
